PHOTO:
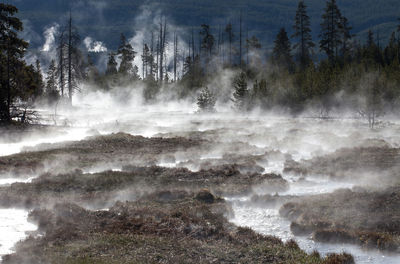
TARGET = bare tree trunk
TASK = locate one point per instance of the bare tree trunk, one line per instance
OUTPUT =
(175, 55)
(158, 58)
(183, 62)
(143, 60)
(163, 29)
(193, 45)
(240, 40)
(61, 64)
(152, 54)
(70, 88)
(247, 46)
(8, 112)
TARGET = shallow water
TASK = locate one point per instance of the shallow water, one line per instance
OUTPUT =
(268, 222)
(13, 228)
(299, 138)
(9, 181)
(67, 135)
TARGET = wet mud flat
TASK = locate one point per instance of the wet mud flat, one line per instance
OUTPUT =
(367, 218)
(164, 227)
(145, 214)
(87, 186)
(367, 215)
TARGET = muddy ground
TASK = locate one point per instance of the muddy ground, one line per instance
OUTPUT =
(371, 164)
(142, 213)
(166, 227)
(367, 215)
(100, 189)
(368, 218)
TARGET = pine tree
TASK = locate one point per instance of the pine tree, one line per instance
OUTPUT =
(127, 56)
(92, 73)
(372, 54)
(111, 65)
(281, 55)
(12, 49)
(370, 39)
(207, 43)
(345, 38)
(39, 77)
(398, 27)
(303, 34)
(330, 30)
(241, 93)
(51, 83)
(206, 101)
(390, 52)
(253, 46)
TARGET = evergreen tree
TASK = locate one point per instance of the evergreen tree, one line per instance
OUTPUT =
(398, 27)
(372, 54)
(390, 52)
(303, 34)
(253, 47)
(92, 73)
(51, 83)
(206, 101)
(135, 73)
(330, 30)
(241, 93)
(207, 43)
(39, 77)
(281, 55)
(127, 56)
(111, 65)
(12, 49)
(370, 39)
(261, 94)
(346, 36)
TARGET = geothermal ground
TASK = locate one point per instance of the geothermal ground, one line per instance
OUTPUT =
(172, 186)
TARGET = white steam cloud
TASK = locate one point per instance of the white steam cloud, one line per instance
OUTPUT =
(50, 36)
(148, 21)
(94, 46)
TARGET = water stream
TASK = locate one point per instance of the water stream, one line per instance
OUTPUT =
(267, 221)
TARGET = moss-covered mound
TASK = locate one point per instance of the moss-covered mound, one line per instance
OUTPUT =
(105, 188)
(161, 228)
(351, 163)
(362, 217)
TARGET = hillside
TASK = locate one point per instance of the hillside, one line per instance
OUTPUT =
(106, 19)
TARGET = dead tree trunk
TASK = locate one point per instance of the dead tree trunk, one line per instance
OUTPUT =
(70, 85)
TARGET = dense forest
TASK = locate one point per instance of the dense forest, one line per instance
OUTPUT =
(262, 18)
(332, 72)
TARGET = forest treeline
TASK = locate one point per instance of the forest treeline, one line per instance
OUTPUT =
(335, 71)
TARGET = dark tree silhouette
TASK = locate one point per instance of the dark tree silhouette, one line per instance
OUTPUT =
(281, 55)
(330, 30)
(12, 49)
(302, 33)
